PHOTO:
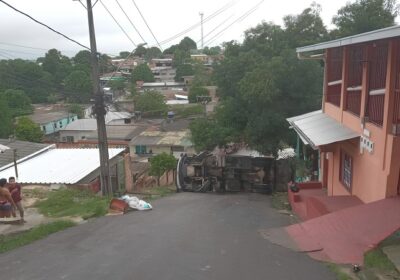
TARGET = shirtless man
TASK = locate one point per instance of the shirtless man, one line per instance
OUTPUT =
(7, 204)
(15, 190)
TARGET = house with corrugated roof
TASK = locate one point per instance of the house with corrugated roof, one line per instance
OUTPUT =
(68, 167)
(171, 137)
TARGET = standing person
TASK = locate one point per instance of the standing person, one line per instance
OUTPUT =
(15, 190)
(7, 204)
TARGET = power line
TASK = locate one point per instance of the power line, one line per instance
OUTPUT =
(216, 13)
(218, 26)
(45, 25)
(14, 51)
(242, 17)
(137, 8)
(122, 9)
(123, 30)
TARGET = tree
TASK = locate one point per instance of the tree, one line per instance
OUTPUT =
(171, 49)
(181, 57)
(6, 121)
(202, 76)
(150, 101)
(212, 51)
(82, 61)
(77, 109)
(206, 134)
(58, 65)
(363, 16)
(26, 76)
(17, 101)
(27, 130)
(143, 73)
(306, 28)
(117, 84)
(124, 54)
(183, 70)
(78, 86)
(195, 92)
(261, 83)
(187, 44)
(140, 51)
(161, 163)
(152, 52)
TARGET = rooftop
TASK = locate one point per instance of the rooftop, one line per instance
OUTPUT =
(161, 138)
(389, 32)
(44, 113)
(58, 166)
(23, 148)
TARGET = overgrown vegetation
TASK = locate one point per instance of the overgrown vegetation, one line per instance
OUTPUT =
(73, 202)
(10, 242)
(187, 110)
(340, 274)
(261, 82)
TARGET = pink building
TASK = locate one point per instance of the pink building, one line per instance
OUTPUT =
(357, 132)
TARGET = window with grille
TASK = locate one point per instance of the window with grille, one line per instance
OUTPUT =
(346, 170)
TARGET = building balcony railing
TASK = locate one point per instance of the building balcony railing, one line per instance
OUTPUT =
(375, 109)
(353, 101)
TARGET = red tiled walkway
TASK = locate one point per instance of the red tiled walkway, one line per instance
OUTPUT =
(345, 235)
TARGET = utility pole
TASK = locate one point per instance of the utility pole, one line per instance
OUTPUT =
(202, 38)
(99, 109)
(15, 163)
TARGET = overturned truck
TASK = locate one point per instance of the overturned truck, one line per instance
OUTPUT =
(207, 172)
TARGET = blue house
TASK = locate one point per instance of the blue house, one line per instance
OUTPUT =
(51, 120)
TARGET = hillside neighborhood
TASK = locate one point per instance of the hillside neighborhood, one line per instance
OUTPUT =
(272, 156)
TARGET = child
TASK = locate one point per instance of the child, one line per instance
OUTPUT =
(15, 190)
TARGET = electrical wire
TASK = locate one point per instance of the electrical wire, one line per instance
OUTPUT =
(137, 8)
(45, 25)
(216, 13)
(123, 30)
(218, 26)
(122, 9)
(239, 19)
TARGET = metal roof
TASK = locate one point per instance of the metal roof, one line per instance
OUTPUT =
(82, 125)
(162, 138)
(318, 129)
(389, 32)
(23, 148)
(58, 166)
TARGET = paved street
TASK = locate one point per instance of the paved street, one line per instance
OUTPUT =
(186, 236)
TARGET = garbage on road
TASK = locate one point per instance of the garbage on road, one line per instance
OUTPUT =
(136, 203)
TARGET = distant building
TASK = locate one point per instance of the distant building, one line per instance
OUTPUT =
(126, 66)
(118, 125)
(170, 137)
(160, 62)
(52, 118)
(202, 58)
(163, 74)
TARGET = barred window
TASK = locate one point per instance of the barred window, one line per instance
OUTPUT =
(346, 170)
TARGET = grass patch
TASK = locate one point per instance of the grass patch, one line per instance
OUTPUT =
(376, 259)
(72, 202)
(10, 242)
(340, 274)
(280, 201)
(156, 192)
(187, 110)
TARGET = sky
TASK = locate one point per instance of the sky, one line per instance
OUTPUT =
(165, 18)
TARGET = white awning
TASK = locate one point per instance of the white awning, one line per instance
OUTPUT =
(318, 129)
